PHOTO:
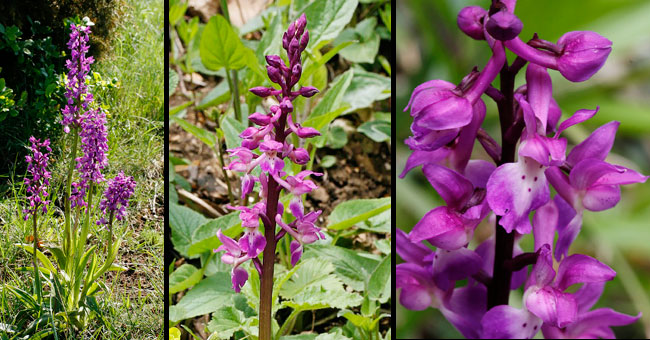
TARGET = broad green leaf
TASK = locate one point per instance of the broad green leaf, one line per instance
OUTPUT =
(173, 82)
(377, 130)
(326, 19)
(183, 221)
(313, 66)
(176, 11)
(206, 297)
(315, 297)
(220, 46)
(350, 266)
(226, 321)
(311, 273)
(303, 336)
(367, 47)
(219, 94)
(380, 223)
(366, 88)
(337, 137)
(386, 17)
(187, 30)
(349, 213)
(333, 98)
(232, 128)
(328, 161)
(184, 277)
(379, 278)
(271, 41)
(203, 135)
(338, 335)
(204, 238)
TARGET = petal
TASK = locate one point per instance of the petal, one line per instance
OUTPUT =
(515, 189)
(588, 171)
(552, 306)
(442, 227)
(450, 266)
(507, 322)
(588, 295)
(239, 277)
(411, 279)
(228, 244)
(296, 252)
(597, 145)
(578, 117)
(257, 244)
(448, 113)
(453, 187)
(595, 321)
(542, 273)
(478, 172)
(426, 93)
(540, 90)
(579, 268)
(426, 139)
(462, 151)
(466, 308)
(601, 197)
(413, 252)
(544, 223)
(296, 207)
(569, 225)
(418, 158)
(560, 181)
(554, 114)
(622, 176)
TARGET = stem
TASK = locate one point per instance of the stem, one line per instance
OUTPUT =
(235, 100)
(37, 276)
(266, 284)
(67, 239)
(499, 287)
(223, 164)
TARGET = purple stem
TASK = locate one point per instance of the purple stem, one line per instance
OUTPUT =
(532, 54)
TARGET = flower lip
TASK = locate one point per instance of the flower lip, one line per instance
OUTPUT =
(470, 21)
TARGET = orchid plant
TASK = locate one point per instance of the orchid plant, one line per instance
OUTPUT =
(270, 138)
(78, 268)
(531, 158)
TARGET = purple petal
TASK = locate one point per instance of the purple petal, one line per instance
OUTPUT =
(411, 279)
(453, 187)
(478, 172)
(542, 273)
(560, 182)
(568, 227)
(450, 266)
(239, 277)
(552, 306)
(504, 25)
(448, 113)
(418, 158)
(466, 308)
(413, 252)
(578, 117)
(588, 295)
(228, 244)
(443, 228)
(595, 321)
(540, 90)
(622, 176)
(544, 223)
(515, 189)
(588, 171)
(554, 114)
(426, 139)
(426, 93)
(296, 252)
(597, 145)
(507, 322)
(296, 207)
(469, 21)
(462, 150)
(583, 54)
(601, 197)
(579, 268)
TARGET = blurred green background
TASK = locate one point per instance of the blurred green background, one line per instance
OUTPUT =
(430, 46)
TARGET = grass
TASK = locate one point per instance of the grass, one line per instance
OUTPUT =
(132, 305)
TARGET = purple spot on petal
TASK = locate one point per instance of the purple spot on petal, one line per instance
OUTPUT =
(523, 177)
(524, 325)
(535, 179)
(529, 189)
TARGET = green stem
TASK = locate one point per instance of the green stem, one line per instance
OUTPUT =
(235, 95)
(68, 237)
(223, 164)
(37, 276)
(287, 327)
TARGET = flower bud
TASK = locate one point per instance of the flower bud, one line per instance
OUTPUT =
(304, 40)
(300, 25)
(435, 106)
(286, 106)
(261, 91)
(308, 91)
(291, 31)
(583, 54)
(307, 132)
(259, 118)
(469, 21)
(285, 40)
(299, 156)
(274, 74)
(274, 60)
(504, 26)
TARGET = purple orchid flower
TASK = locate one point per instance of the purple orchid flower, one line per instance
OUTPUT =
(37, 185)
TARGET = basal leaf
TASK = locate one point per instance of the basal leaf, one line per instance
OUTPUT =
(184, 277)
(219, 94)
(366, 88)
(220, 46)
(349, 266)
(204, 238)
(232, 128)
(379, 278)
(226, 321)
(349, 213)
(315, 297)
(206, 297)
(326, 19)
(312, 273)
(377, 130)
(183, 221)
(333, 98)
(203, 135)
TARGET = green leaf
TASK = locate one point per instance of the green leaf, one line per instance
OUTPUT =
(338, 335)
(367, 47)
(231, 128)
(366, 88)
(337, 137)
(219, 94)
(206, 297)
(220, 46)
(226, 321)
(380, 223)
(311, 273)
(303, 336)
(386, 17)
(184, 277)
(379, 278)
(204, 238)
(183, 221)
(271, 41)
(203, 135)
(377, 130)
(333, 98)
(350, 266)
(328, 161)
(313, 66)
(326, 19)
(314, 297)
(349, 213)
(173, 82)
(176, 11)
